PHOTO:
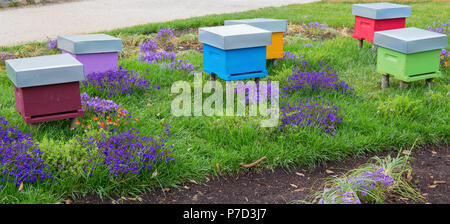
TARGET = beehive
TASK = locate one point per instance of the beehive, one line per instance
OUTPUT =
(409, 54)
(235, 52)
(373, 17)
(97, 52)
(46, 88)
(276, 26)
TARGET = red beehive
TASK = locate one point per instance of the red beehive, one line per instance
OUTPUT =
(46, 88)
(373, 17)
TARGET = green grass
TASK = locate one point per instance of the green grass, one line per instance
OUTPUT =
(201, 142)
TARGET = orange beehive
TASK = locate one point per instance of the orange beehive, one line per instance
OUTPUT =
(276, 26)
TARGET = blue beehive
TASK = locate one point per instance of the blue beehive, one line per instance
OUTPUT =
(235, 52)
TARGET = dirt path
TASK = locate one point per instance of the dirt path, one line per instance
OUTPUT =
(430, 164)
(35, 23)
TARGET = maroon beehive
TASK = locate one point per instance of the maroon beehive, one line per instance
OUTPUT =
(373, 17)
(46, 88)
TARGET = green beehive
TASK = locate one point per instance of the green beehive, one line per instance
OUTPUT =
(408, 67)
(409, 54)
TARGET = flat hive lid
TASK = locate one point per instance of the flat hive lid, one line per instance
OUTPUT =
(44, 70)
(381, 10)
(410, 40)
(272, 25)
(235, 36)
(89, 44)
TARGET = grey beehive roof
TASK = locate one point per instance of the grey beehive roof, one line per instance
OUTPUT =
(410, 40)
(272, 25)
(44, 70)
(89, 44)
(381, 10)
(235, 36)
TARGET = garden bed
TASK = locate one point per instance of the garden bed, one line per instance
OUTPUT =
(430, 177)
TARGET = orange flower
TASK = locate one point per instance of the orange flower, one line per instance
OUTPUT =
(78, 122)
(446, 63)
(94, 117)
(136, 118)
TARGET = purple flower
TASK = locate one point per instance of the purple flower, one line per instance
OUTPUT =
(20, 157)
(125, 153)
(325, 80)
(51, 44)
(115, 82)
(440, 27)
(311, 113)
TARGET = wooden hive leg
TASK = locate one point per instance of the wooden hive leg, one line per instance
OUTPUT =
(212, 78)
(429, 83)
(384, 81)
(73, 123)
(374, 48)
(403, 85)
(257, 79)
(34, 126)
(360, 43)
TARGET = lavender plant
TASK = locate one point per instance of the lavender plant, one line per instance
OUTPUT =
(154, 52)
(20, 157)
(371, 183)
(52, 44)
(325, 80)
(310, 114)
(5, 56)
(115, 82)
(242, 89)
(440, 27)
(125, 153)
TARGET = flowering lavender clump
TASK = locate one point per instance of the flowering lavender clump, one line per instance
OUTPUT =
(339, 195)
(164, 59)
(20, 157)
(311, 113)
(244, 89)
(51, 44)
(98, 105)
(149, 46)
(298, 60)
(125, 153)
(115, 82)
(366, 181)
(440, 27)
(165, 34)
(314, 27)
(326, 80)
(5, 56)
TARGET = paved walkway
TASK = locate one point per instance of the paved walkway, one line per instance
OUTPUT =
(37, 22)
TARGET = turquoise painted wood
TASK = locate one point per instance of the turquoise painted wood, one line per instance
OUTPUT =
(235, 64)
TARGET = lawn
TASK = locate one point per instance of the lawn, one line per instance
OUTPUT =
(373, 120)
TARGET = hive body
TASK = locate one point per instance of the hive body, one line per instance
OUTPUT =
(409, 54)
(46, 88)
(97, 52)
(235, 52)
(373, 17)
(276, 26)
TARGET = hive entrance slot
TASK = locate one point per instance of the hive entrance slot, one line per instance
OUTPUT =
(429, 73)
(245, 73)
(46, 115)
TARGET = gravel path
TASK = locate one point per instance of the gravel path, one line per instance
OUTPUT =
(35, 23)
